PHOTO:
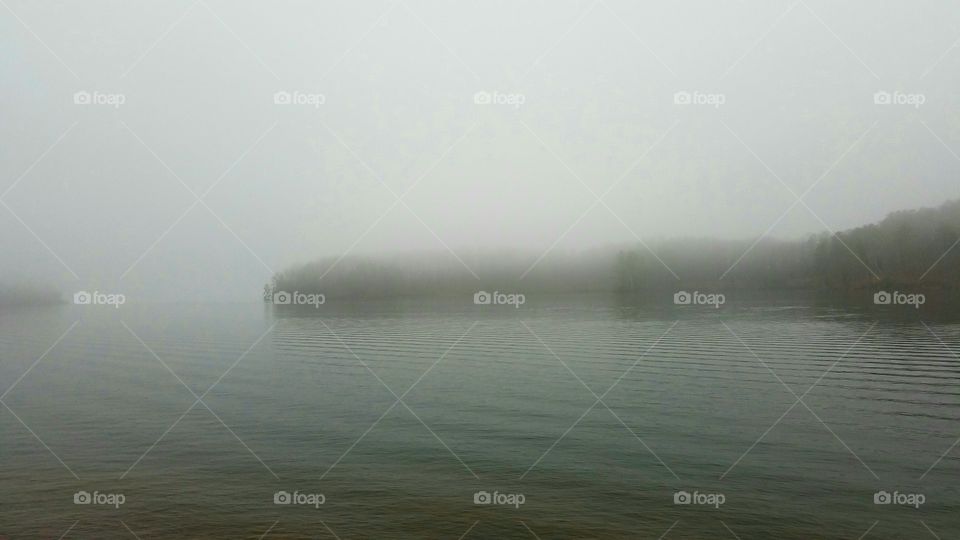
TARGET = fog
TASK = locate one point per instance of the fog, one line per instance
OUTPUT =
(183, 179)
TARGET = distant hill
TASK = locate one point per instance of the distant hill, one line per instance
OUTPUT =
(28, 295)
(911, 247)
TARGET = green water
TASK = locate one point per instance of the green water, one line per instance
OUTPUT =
(494, 399)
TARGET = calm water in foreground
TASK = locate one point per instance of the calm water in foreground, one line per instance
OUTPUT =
(311, 405)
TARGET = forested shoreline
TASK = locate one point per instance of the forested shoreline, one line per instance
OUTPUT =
(909, 248)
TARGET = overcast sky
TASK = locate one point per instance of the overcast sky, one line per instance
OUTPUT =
(583, 103)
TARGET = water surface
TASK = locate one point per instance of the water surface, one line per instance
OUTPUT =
(493, 399)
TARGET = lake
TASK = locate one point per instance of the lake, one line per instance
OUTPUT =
(566, 417)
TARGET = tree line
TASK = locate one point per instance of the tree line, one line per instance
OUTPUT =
(907, 248)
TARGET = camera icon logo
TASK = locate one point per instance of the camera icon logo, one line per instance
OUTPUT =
(483, 98)
(682, 298)
(282, 98)
(882, 98)
(82, 497)
(682, 98)
(282, 497)
(882, 298)
(282, 298)
(82, 98)
(882, 497)
(482, 298)
(482, 497)
(682, 497)
(82, 298)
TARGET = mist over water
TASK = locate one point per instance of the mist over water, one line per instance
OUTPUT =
(422, 269)
(300, 125)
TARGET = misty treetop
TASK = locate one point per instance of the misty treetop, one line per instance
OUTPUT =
(909, 247)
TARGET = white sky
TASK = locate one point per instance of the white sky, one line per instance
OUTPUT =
(597, 79)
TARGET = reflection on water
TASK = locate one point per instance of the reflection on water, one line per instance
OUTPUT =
(599, 412)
